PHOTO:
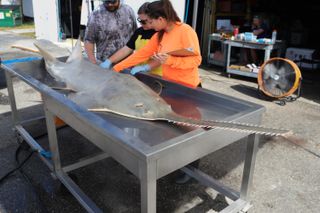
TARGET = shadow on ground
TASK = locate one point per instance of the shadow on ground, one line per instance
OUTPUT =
(247, 90)
(311, 85)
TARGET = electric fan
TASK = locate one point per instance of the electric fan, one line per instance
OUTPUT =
(279, 78)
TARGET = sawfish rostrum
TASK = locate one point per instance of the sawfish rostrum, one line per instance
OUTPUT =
(103, 90)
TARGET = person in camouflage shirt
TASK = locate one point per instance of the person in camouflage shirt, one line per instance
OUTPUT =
(109, 28)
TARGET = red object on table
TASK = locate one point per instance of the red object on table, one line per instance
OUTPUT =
(235, 31)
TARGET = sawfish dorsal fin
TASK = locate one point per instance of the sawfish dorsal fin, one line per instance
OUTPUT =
(76, 52)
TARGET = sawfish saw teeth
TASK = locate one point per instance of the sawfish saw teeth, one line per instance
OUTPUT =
(233, 126)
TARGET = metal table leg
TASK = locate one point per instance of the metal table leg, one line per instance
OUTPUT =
(252, 147)
(225, 52)
(53, 141)
(84, 200)
(267, 54)
(12, 99)
(148, 187)
(228, 59)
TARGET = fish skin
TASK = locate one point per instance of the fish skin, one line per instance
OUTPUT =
(98, 88)
(103, 90)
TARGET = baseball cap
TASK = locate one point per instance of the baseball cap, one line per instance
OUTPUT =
(110, 1)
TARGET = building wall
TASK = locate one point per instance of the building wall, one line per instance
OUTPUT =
(46, 19)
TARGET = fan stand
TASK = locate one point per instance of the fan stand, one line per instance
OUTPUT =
(282, 101)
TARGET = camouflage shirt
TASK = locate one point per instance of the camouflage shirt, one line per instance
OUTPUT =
(110, 31)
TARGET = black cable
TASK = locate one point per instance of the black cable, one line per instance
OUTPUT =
(17, 162)
(18, 167)
(43, 209)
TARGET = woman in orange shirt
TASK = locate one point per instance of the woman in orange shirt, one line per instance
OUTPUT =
(172, 35)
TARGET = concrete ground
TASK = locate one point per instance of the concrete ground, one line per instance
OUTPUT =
(286, 177)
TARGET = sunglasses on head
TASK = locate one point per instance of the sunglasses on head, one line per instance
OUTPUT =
(141, 21)
(110, 1)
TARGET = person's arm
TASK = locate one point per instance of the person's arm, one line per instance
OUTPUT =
(120, 54)
(126, 50)
(140, 56)
(154, 64)
(189, 40)
(258, 31)
(89, 48)
(89, 38)
(133, 18)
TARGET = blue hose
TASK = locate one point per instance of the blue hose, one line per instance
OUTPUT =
(19, 60)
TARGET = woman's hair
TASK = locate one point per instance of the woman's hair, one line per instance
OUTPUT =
(164, 9)
(143, 8)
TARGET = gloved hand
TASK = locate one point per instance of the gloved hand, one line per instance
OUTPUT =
(106, 64)
(141, 68)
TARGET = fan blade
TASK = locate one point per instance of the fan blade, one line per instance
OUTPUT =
(268, 70)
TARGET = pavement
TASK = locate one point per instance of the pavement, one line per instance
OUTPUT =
(286, 177)
(19, 31)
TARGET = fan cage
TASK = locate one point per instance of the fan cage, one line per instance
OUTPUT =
(295, 84)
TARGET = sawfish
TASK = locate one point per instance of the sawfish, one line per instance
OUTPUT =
(103, 90)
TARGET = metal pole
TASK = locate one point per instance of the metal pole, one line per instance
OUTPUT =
(195, 14)
(71, 22)
(206, 20)
(187, 12)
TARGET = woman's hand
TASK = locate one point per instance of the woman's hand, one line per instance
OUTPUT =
(161, 57)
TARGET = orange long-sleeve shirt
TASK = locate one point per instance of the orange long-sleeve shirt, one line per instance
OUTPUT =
(182, 70)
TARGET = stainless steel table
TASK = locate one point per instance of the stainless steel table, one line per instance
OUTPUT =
(250, 45)
(224, 50)
(150, 150)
